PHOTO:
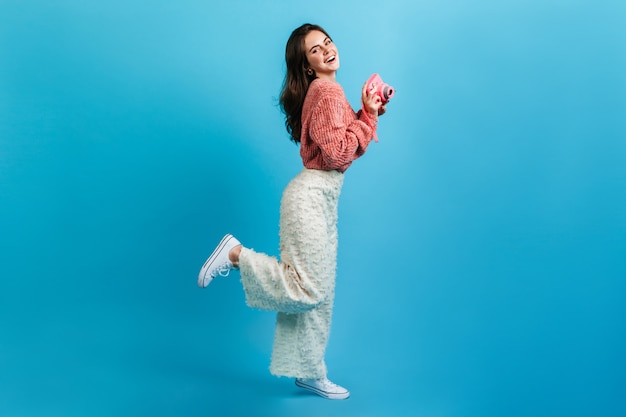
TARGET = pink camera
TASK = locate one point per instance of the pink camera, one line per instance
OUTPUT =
(384, 91)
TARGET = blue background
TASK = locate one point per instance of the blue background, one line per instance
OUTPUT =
(482, 267)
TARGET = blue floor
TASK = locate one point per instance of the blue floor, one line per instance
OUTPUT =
(481, 266)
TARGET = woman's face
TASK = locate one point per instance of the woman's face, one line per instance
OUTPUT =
(322, 54)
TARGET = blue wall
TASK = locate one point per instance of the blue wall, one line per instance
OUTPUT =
(482, 267)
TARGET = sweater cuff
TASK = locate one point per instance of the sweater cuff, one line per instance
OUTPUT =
(370, 119)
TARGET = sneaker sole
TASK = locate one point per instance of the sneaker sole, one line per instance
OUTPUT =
(321, 393)
(203, 281)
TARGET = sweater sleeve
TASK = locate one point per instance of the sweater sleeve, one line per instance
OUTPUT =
(341, 139)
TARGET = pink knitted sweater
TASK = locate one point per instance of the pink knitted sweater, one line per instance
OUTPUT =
(333, 135)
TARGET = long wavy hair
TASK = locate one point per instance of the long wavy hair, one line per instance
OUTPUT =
(297, 80)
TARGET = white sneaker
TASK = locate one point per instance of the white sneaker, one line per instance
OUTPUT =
(219, 262)
(324, 388)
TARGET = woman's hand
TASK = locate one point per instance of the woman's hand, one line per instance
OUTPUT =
(372, 103)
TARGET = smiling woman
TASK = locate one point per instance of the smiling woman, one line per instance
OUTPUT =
(300, 286)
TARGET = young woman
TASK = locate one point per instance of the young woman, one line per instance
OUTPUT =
(300, 285)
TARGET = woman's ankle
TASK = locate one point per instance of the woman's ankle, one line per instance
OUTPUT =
(233, 255)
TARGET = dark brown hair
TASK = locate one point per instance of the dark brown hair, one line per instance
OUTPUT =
(297, 80)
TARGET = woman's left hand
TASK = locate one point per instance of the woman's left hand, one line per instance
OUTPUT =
(372, 103)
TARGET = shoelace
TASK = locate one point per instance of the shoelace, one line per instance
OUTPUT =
(327, 384)
(222, 270)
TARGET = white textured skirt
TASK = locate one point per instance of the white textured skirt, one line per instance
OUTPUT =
(300, 285)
